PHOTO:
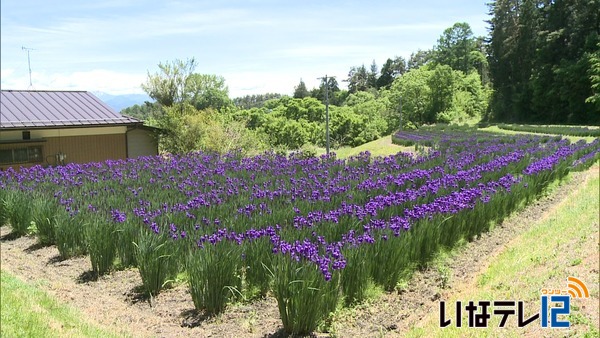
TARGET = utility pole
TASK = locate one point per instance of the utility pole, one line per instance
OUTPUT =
(326, 112)
(29, 64)
(400, 112)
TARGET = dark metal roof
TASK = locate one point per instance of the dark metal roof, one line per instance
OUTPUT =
(39, 109)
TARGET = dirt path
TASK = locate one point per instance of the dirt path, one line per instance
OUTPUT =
(113, 301)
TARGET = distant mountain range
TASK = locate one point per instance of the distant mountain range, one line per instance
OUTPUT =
(120, 102)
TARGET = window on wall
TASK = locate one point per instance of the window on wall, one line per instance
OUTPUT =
(30, 154)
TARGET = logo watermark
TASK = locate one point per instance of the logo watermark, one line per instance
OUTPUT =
(555, 306)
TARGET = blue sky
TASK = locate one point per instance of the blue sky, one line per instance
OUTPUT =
(258, 46)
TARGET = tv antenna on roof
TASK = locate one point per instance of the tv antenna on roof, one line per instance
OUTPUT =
(29, 64)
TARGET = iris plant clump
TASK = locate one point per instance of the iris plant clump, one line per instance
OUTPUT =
(44, 217)
(314, 232)
(3, 211)
(17, 205)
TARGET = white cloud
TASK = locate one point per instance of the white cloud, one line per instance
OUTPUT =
(400, 28)
(98, 80)
(249, 82)
(142, 26)
(320, 51)
(256, 46)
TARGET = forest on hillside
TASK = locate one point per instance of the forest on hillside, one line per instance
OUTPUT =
(540, 63)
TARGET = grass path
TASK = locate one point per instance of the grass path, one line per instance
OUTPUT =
(379, 147)
(495, 129)
(563, 243)
(28, 311)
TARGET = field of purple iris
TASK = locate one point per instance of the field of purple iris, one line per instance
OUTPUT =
(313, 232)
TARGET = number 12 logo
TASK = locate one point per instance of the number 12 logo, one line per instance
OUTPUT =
(555, 311)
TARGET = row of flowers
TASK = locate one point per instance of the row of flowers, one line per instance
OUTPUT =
(311, 231)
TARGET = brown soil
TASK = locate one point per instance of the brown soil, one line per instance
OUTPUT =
(114, 301)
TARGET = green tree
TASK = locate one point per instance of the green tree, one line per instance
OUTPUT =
(390, 71)
(309, 109)
(176, 83)
(351, 128)
(335, 95)
(255, 100)
(372, 76)
(300, 90)
(469, 99)
(358, 79)
(185, 129)
(539, 59)
(169, 85)
(208, 91)
(594, 74)
(568, 35)
(143, 112)
(419, 59)
(436, 93)
(291, 134)
(289, 123)
(442, 85)
(412, 91)
(479, 60)
(174, 129)
(194, 112)
(502, 53)
(455, 47)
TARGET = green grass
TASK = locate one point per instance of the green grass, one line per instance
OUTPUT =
(554, 129)
(30, 312)
(573, 139)
(379, 147)
(541, 257)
